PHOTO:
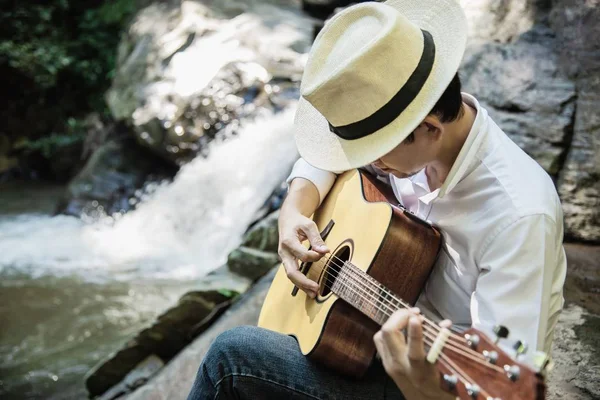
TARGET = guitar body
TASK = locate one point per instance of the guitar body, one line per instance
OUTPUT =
(391, 245)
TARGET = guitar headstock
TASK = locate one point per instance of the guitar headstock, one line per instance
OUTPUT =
(474, 367)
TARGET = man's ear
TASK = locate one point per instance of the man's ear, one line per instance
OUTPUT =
(435, 127)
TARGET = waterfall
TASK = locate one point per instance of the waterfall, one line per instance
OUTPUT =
(180, 230)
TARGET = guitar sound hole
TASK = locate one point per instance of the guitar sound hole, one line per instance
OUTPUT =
(332, 269)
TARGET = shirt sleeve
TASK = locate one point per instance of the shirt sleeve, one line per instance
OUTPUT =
(322, 179)
(521, 280)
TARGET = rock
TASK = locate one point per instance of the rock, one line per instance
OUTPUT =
(264, 235)
(576, 25)
(234, 94)
(521, 86)
(168, 335)
(575, 356)
(576, 342)
(110, 178)
(579, 184)
(175, 380)
(533, 65)
(251, 263)
(134, 379)
(502, 21)
(582, 286)
(223, 278)
(185, 74)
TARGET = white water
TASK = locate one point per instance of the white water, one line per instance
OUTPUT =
(181, 231)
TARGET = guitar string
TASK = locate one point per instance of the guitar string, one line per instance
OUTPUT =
(458, 340)
(449, 346)
(455, 369)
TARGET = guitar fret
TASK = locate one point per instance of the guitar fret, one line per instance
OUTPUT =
(365, 293)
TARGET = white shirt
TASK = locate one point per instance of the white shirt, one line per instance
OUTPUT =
(502, 262)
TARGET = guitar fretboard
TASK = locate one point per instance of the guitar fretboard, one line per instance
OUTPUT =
(365, 294)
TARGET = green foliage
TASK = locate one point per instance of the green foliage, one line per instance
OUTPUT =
(57, 58)
(51, 144)
(57, 37)
(228, 293)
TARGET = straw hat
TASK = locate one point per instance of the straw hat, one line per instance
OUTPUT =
(373, 74)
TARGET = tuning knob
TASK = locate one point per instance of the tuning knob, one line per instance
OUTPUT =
(501, 332)
(512, 371)
(450, 381)
(472, 340)
(472, 390)
(520, 347)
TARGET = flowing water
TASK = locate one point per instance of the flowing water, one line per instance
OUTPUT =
(72, 291)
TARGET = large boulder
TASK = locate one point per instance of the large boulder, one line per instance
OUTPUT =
(526, 94)
(535, 66)
(577, 26)
(187, 72)
(111, 178)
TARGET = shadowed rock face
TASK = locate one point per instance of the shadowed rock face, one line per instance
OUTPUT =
(521, 86)
(533, 65)
(577, 27)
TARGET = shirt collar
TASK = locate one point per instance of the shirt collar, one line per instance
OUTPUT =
(465, 160)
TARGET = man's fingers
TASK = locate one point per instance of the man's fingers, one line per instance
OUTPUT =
(314, 237)
(416, 348)
(297, 277)
(392, 330)
(301, 252)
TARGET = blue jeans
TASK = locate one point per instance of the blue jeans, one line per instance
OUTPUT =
(254, 364)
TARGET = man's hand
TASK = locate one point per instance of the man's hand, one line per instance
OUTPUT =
(294, 228)
(404, 360)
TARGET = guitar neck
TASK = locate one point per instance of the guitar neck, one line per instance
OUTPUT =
(365, 294)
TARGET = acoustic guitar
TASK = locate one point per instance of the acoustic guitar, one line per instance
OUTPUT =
(381, 256)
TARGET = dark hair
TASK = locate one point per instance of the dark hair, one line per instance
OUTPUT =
(449, 106)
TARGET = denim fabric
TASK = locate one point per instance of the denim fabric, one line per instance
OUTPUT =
(255, 364)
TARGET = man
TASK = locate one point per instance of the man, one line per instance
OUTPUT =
(381, 89)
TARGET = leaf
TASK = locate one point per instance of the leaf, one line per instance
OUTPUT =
(228, 293)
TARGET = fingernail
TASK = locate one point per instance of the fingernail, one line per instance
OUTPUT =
(415, 310)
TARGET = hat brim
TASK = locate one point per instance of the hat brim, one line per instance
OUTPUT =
(446, 22)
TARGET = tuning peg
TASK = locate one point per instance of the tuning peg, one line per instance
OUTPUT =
(512, 371)
(491, 356)
(472, 340)
(501, 332)
(450, 381)
(520, 347)
(472, 390)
